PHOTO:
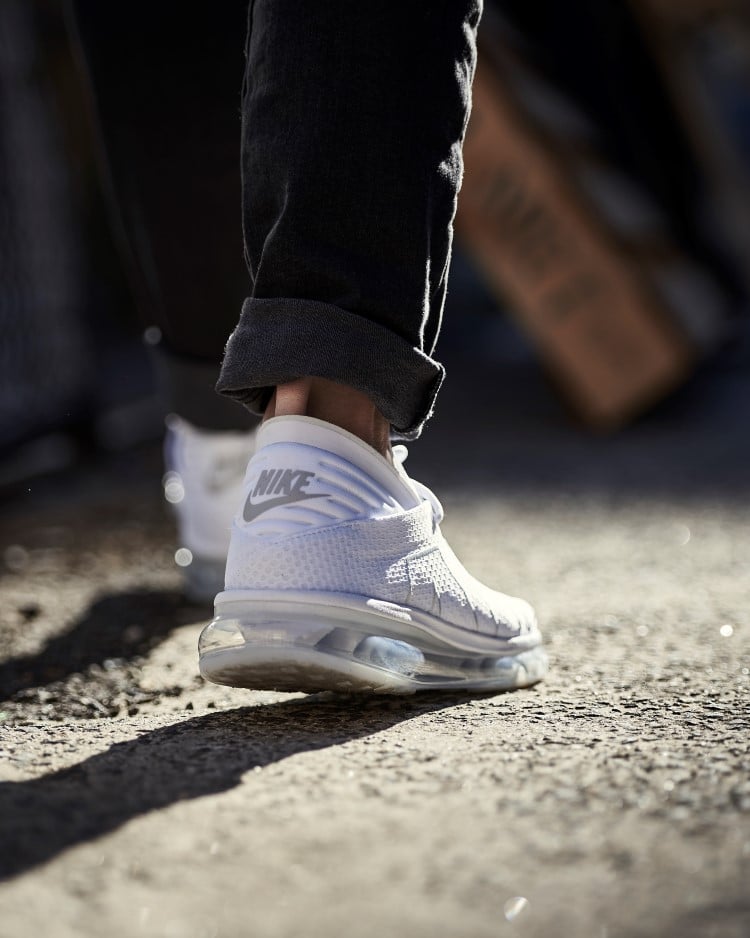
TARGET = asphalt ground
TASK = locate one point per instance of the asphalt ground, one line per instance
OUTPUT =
(611, 800)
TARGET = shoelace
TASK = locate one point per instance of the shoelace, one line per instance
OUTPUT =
(400, 454)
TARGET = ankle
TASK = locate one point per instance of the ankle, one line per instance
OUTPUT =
(335, 403)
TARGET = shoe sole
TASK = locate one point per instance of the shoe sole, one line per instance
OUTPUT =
(304, 642)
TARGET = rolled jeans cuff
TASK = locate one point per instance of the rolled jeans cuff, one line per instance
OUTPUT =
(280, 340)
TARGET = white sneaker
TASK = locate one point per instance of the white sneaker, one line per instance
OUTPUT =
(203, 484)
(338, 578)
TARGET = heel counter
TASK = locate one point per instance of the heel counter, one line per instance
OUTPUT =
(293, 487)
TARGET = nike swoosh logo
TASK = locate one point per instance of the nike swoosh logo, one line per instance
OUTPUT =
(251, 511)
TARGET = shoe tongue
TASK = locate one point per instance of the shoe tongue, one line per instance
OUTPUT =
(309, 431)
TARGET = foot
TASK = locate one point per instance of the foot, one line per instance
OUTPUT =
(203, 484)
(338, 578)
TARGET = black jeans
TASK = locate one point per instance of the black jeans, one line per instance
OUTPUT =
(353, 117)
(166, 83)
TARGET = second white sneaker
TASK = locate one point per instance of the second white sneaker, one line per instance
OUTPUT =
(203, 484)
(338, 578)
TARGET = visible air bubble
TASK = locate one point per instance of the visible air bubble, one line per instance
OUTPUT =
(287, 645)
(391, 654)
(221, 634)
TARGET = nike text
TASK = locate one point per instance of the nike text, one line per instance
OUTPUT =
(282, 482)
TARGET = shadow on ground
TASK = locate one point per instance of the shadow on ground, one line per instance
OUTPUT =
(200, 756)
(124, 626)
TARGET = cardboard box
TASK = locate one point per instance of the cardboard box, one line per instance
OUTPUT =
(598, 324)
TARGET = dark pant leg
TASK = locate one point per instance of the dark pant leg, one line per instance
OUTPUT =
(166, 81)
(353, 120)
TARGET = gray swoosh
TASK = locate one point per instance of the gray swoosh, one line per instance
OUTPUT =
(251, 511)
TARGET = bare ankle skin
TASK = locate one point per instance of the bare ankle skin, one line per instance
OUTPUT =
(335, 403)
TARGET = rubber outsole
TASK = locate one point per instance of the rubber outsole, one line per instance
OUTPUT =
(352, 644)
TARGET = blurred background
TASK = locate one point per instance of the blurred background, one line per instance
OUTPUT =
(600, 280)
(590, 446)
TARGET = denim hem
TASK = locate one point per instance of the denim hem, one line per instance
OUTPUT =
(279, 340)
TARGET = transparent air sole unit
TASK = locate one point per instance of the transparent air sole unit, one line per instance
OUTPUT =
(292, 642)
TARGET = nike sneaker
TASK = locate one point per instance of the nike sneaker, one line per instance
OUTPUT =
(203, 484)
(338, 578)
